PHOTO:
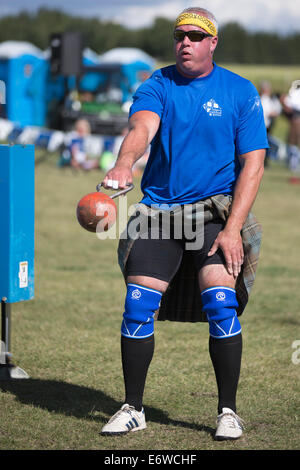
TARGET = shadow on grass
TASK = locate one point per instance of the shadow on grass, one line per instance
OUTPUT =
(81, 402)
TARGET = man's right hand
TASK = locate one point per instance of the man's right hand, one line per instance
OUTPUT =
(119, 177)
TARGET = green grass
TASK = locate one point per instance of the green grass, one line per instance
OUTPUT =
(67, 338)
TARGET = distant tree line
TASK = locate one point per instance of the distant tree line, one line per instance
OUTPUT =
(236, 44)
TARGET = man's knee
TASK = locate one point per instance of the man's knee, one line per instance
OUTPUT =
(150, 282)
(140, 306)
(219, 304)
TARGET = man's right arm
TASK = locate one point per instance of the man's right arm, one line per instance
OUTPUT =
(143, 126)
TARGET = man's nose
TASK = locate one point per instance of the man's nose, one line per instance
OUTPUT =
(186, 40)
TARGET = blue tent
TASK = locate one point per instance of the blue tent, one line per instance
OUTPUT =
(33, 94)
(135, 67)
(23, 70)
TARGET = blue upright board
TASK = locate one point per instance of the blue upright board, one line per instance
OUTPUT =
(16, 223)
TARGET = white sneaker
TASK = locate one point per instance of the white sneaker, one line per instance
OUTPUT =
(229, 425)
(125, 420)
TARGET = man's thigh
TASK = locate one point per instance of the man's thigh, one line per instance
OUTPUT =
(212, 270)
(213, 275)
(153, 263)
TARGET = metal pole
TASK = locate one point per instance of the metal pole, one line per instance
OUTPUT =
(7, 370)
(5, 331)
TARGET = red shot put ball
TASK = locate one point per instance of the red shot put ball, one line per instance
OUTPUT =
(96, 212)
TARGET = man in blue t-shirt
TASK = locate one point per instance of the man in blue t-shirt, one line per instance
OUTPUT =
(208, 140)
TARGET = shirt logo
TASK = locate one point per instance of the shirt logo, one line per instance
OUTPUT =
(212, 108)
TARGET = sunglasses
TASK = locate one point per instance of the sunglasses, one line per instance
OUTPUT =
(194, 36)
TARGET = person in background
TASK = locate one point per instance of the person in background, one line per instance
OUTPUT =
(272, 109)
(291, 107)
(79, 157)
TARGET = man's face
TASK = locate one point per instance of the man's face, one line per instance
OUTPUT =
(194, 59)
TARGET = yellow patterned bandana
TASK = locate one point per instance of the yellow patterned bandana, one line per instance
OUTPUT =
(197, 20)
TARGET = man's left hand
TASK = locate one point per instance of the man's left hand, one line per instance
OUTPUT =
(230, 242)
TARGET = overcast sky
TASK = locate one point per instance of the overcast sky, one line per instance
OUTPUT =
(268, 15)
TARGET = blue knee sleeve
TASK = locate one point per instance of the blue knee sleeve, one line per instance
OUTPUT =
(219, 304)
(140, 306)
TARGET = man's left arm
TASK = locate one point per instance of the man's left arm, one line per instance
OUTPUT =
(229, 239)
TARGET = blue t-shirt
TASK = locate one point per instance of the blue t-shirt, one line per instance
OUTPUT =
(205, 124)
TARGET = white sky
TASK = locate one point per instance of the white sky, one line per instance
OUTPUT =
(268, 15)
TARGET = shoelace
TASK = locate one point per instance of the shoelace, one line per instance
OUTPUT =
(127, 409)
(232, 420)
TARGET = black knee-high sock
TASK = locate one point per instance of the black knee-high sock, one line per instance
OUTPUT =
(226, 354)
(136, 358)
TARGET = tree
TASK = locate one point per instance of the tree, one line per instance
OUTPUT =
(236, 45)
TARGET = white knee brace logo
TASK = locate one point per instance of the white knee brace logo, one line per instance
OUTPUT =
(136, 294)
(220, 295)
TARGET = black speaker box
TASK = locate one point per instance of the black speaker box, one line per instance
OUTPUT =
(66, 54)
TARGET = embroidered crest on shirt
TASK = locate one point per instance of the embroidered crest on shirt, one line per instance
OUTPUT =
(212, 108)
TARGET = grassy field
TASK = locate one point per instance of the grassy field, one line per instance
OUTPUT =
(67, 338)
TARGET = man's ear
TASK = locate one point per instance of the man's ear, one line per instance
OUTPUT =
(213, 44)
